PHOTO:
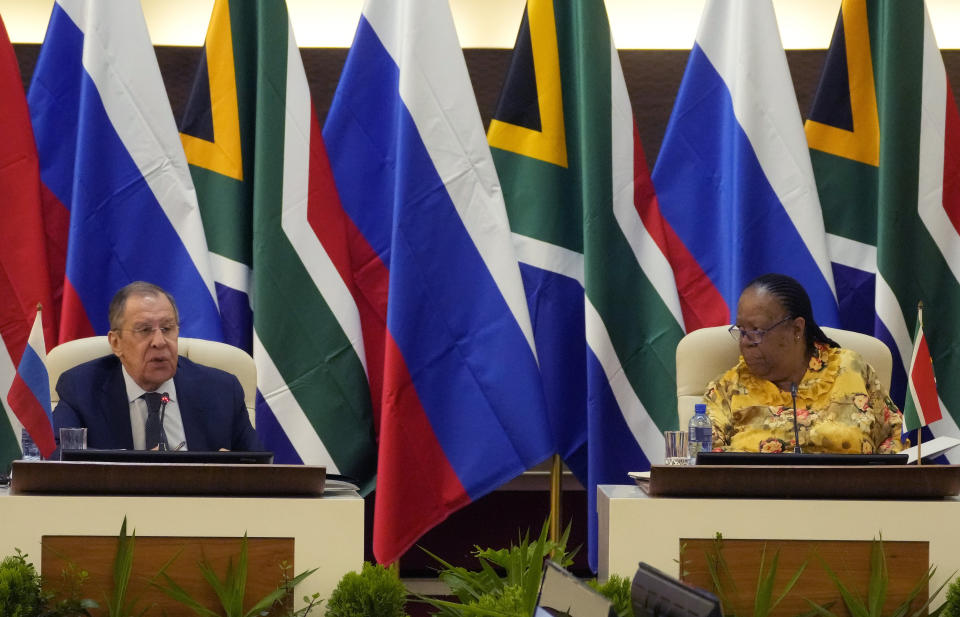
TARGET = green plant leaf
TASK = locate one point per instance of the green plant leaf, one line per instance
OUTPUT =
(817, 609)
(879, 578)
(924, 582)
(503, 575)
(181, 595)
(877, 590)
(789, 586)
(118, 605)
(764, 592)
(268, 600)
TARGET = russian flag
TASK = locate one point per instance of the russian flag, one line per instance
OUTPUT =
(110, 153)
(462, 405)
(29, 395)
(733, 176)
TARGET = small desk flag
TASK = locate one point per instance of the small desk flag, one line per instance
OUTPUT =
(29, 396)
(922, 404)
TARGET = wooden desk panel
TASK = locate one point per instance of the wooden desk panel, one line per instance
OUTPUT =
(850, 560)
(327, 532)
(636, 527)
(95, 554)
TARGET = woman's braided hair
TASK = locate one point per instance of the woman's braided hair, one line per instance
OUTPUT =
(793, 297)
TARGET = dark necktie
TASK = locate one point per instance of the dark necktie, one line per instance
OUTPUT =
(152, 426)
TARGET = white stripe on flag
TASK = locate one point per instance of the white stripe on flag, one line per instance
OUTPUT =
(7, 373)
(653, 263)
(549, 257)
(288, 412)
(296, 184)
(765, 105)
(119, 57)
(930, 190)
(644, 429)
(932, 145)
(436, 89)
(852, 254)
(231, 273)
(888, 310)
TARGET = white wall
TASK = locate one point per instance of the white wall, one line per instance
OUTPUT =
(637, 24)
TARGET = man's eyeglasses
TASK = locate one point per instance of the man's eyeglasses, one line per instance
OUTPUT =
(168, 331)
(754, 337)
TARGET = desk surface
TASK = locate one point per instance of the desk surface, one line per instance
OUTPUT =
(90, 478)
(806, 481)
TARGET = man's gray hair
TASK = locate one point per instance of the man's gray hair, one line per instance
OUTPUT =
(136, 288)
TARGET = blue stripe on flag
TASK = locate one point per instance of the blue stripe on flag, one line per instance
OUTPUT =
(855, 293)
(464, 350)
(236, 317)
(855, 288)
(118, 231)
(613, 450)
(272, 435)
(33, 371)
(53, 102)
(556, 308)
(371, 192)
(724, 208)
(898, 385)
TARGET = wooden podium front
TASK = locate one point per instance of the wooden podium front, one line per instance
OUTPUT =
(324, 532)
(635, 526)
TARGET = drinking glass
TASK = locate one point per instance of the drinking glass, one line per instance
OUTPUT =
(73, 438)
(676, 448)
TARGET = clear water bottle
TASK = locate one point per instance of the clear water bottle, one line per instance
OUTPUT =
(30, 450)
(699, 433)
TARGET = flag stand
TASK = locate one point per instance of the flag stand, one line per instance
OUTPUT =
(919, 428)
(556, 490)
(919, 443)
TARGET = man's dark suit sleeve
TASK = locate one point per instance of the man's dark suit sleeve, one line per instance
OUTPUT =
(93, 395)
(244, 436)
(213, 410)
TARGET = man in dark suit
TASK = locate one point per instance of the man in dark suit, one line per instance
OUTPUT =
(145, 394)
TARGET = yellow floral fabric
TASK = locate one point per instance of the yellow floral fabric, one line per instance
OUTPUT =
(841, 408)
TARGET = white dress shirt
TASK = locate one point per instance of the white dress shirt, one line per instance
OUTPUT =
(172, 422)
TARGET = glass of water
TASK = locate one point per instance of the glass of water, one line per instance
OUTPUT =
(676, 448)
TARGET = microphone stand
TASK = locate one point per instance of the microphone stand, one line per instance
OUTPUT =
(796, 425)
(163, 446)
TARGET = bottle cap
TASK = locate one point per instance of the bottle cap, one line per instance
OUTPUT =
(700, 408)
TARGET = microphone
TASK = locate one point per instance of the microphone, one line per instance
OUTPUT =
(163, 445)
(796, 426)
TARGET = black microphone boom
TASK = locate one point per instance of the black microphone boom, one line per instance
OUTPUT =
(796, 426)
(163, 445)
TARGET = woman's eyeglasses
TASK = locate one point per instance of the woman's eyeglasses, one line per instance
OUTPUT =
(754, 337)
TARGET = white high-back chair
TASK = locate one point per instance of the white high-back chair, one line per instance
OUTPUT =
(210, 353)
(705, 354)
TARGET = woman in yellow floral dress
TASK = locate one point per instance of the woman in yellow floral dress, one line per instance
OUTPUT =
(841, 405)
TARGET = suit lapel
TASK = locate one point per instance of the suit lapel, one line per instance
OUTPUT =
(190, 414)
(117, 407)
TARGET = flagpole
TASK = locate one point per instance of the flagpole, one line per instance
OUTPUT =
(556, 490)
(919, 428)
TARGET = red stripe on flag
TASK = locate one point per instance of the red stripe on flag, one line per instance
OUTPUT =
(951, 161)
(362, 270)
(24, 275)
(416, 486)
(925, 385)
(56, 222)
(74, 322)
(32, 415)
(700, 301)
